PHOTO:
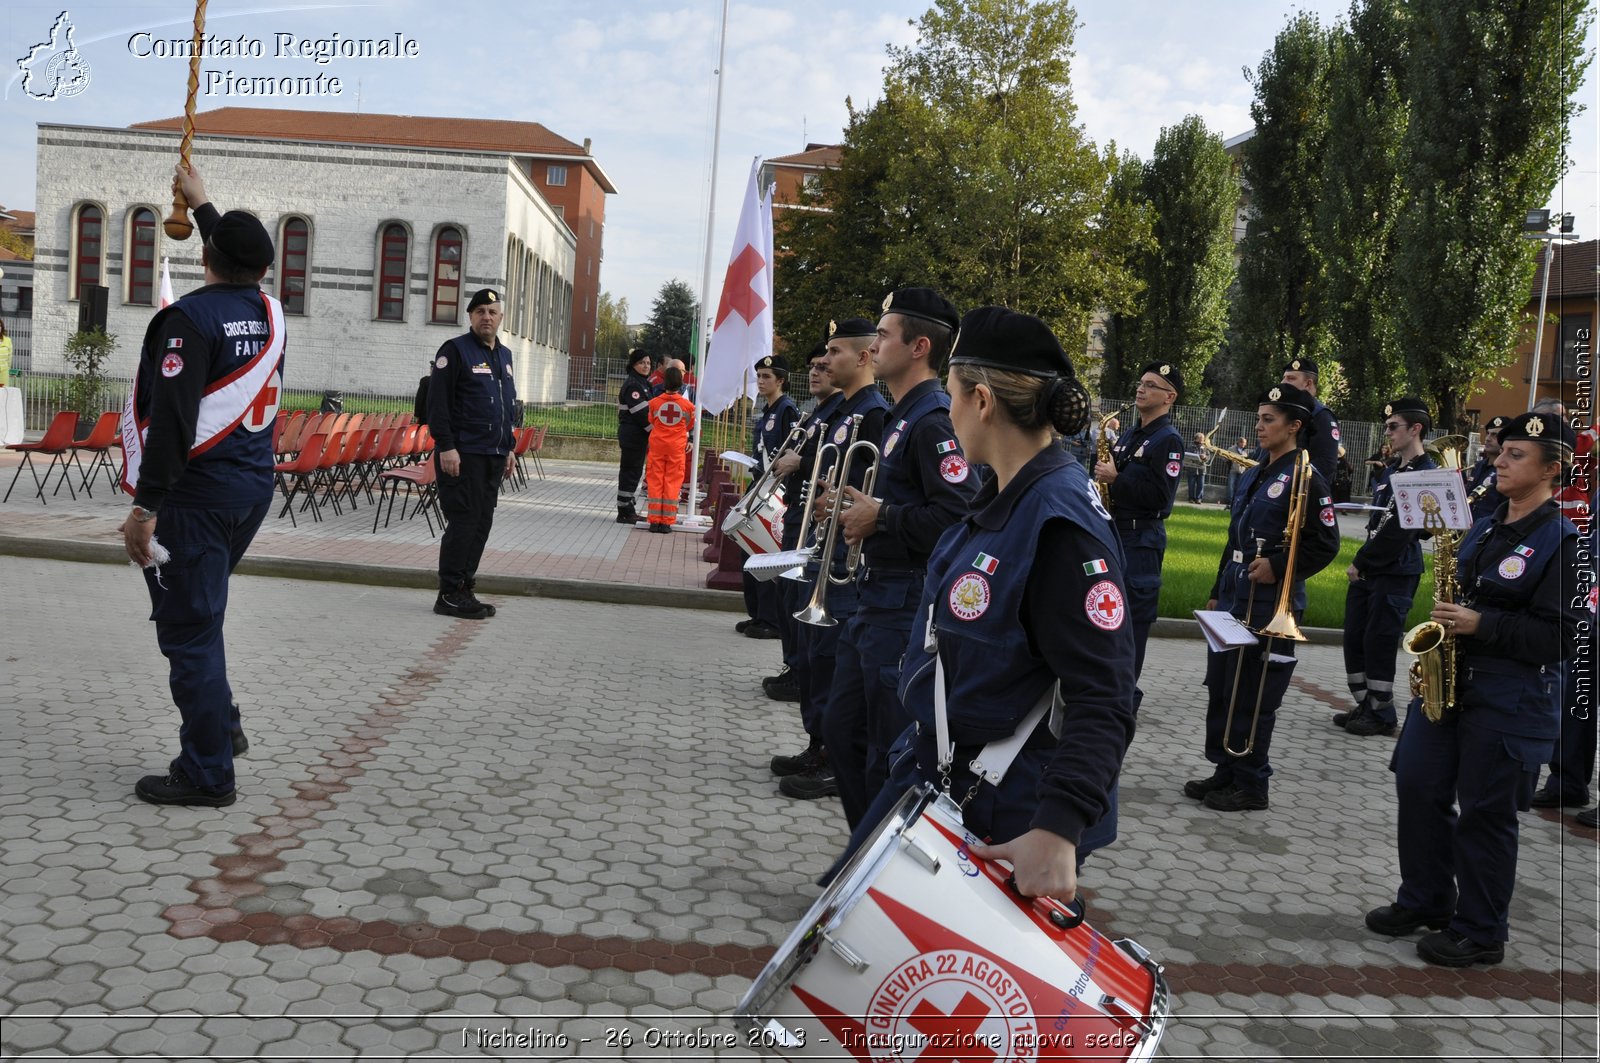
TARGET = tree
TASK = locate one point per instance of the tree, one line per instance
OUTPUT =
(1490, 87)
(1186, 273)
(1362, 200)
(1120, 359)
(613, 336)
(972, 177)
(670, 330)
(1282, 166)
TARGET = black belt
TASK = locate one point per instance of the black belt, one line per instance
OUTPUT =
(887, 571)
(1135, 523)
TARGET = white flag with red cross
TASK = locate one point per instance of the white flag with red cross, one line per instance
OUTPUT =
(167, 298)
(741, 334)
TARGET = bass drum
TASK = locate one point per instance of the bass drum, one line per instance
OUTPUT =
(921, 950)
(759, 531)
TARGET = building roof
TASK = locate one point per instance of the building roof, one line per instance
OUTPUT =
(10, 256)
(394, 130)
(18, 221)
(818, 156)
(1573, 274)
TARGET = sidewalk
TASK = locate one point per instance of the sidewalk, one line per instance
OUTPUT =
(558, 530)
(558, 828)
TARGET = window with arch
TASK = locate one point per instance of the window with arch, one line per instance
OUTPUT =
(89, 252)
(446, 302)
(394, 251)
(294, 264)
(513, 268)
(141, 269)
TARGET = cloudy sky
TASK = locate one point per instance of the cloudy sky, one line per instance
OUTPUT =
(637, 76)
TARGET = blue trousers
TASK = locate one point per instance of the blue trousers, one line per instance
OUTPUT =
(1375, 611)
(188, 600)
(1143, 549)
(1249, 772)
(820, 647)
(864, 712)
(1462, 862)
(1573, 765)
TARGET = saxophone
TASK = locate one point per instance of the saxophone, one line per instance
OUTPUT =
(1433, 673)
(1103, 452)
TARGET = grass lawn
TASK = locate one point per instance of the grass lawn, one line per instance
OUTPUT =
(1195, 538)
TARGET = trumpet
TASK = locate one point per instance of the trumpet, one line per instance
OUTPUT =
(827, 530)
(1282, 625)
(1214, 451)
(1103, 451)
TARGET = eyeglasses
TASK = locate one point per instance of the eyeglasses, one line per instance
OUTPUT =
(1144, 385)
(1395, 426)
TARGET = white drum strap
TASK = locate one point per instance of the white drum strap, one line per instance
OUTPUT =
(995, 758)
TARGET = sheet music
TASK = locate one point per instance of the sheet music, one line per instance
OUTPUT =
(1223, 631)
(1441, 491)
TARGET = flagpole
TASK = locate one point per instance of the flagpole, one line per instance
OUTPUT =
(705, 274)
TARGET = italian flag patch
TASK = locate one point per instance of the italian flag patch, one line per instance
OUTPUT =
(946, 447)
(1525, 551)
(986, 564)
(1095, 567)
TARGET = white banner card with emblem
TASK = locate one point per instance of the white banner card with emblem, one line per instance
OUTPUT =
(1431, 498)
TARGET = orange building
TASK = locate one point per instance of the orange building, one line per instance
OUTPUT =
(566, 174)
(1566, 357)
(792, 172)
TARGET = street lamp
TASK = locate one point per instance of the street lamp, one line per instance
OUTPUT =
(1536, 226)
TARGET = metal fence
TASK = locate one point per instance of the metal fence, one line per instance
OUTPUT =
(20, 328)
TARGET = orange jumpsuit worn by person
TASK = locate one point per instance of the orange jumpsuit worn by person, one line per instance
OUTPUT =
(671, 420)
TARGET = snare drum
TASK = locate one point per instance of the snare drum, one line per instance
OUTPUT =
(921, 950)
(761, 530)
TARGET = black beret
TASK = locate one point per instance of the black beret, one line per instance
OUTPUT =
(925, 303)
(816, 352)
(1495, 424)
(1291, 399)
(483, 297)
(1301, 365)
(1540, 428)
(1167, 371)
(242, 238)
(1004, 339)
(774, 363)
(1415, 407)
(852, 328)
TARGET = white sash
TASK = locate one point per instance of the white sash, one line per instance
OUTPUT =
(224, 405)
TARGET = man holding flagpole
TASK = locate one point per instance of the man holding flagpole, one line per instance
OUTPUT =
(197, 434)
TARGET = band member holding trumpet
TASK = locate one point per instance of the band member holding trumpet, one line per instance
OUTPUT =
(1383, 581)
(859, 416)
(772, 427)
(925, 485)
(1512, 625)
(792, 683)
(1023, 609)
(1282, 531)
(1142, 475)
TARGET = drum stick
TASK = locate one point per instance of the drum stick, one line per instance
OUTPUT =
(177, 225)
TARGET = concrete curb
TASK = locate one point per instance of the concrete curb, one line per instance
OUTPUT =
(536, 586)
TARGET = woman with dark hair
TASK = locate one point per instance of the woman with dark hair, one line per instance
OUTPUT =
(1461, 779)
(1024, 608)
(1249, 579)
(633, 432)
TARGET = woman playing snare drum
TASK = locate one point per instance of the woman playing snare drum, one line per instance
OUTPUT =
(1024, 593)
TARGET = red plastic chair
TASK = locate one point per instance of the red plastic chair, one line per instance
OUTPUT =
(536, 446)
(102, 438)
(57, 442)
(421, 477)
(288, 441)
(300, 475)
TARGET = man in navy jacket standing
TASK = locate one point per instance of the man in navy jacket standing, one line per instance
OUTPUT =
(471, 397)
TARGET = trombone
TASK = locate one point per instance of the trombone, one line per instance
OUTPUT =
(1282, 625)
(815, 612)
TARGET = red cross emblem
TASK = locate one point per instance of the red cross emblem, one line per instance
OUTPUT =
(670, 414)
(171, 365)
(951, 1037)
(738, 291)
(1105, 606)
(264, 409)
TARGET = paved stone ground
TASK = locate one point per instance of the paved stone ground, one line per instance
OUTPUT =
(447, 826)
